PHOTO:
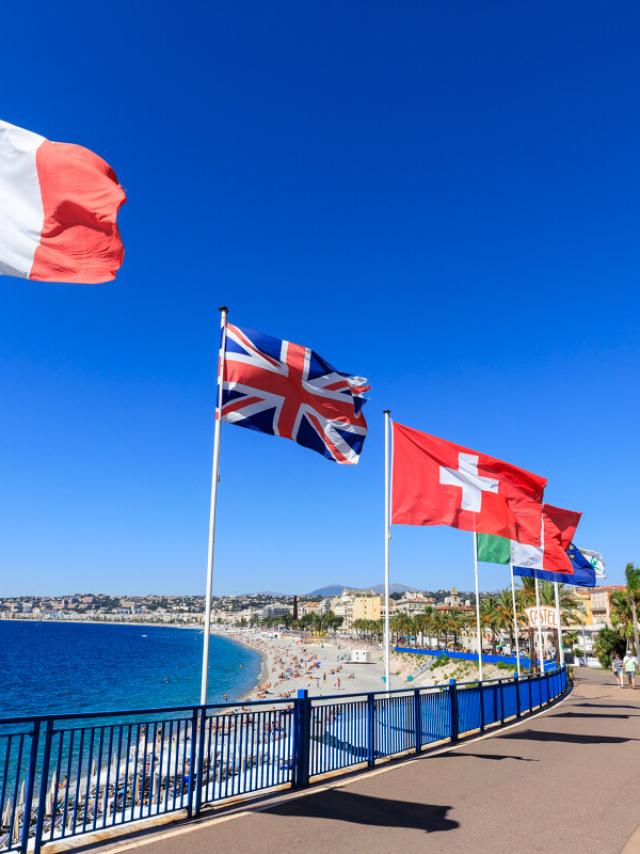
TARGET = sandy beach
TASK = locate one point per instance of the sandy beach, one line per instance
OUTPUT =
(323, 666)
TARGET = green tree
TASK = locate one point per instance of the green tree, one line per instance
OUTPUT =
(633, 595)
(504, 614)
(401, 626)
(489, 617)
(607, 644)
(456, 621)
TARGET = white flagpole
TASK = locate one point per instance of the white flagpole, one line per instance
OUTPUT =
(212, 508)
(539, 626)
(478, 628)
(515, 621)
(560, 649)
(387, 539)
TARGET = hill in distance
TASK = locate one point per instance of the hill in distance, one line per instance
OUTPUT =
(338, 589)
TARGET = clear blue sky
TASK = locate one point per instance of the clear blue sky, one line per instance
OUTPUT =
(441, 197)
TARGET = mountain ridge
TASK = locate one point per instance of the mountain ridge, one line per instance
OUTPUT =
(338, 589)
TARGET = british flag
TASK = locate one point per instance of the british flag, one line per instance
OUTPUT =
(277, 387)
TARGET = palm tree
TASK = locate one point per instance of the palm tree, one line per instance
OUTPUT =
(526, 598)
(402, 625)
(504, 614)
(489, 617)
(456, 622)
(440, 627)
(633, 595)
(425, 624)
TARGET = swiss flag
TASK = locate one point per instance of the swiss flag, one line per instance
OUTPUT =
(436, 482)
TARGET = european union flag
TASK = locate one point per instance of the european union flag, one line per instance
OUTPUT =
(584, 575)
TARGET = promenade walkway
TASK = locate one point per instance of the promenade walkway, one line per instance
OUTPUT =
(566, 781)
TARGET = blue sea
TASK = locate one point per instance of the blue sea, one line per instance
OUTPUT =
(55, 668)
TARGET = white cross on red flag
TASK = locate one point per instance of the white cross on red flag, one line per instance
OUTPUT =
(436, 482)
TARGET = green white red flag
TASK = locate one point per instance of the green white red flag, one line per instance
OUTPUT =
(558, 529)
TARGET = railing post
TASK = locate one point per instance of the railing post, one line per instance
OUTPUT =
(199, 768)
(417, 719)
(193, 762)
(302, 720)
(548, 691)
(31, 780)
(529, 681)
(44, 785)
(453, 708)
(371, 730)
(516, 682)
(481, 695)
(501, 693)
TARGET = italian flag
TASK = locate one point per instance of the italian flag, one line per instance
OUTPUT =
(493, 549)
(58, 208)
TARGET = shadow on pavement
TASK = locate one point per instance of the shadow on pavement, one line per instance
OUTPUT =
(495, 756)
(591, 715)
(568, 737)
(340, 805)
(605, 706)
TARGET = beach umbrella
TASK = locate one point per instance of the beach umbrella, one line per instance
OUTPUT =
(6, 815)
(15, 830)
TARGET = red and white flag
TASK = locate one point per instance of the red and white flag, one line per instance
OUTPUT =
(436, 482)
(558, 530)
(58, 208)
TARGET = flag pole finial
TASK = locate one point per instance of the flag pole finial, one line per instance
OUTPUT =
(223, 308)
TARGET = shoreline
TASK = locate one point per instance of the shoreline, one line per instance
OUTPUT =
(264, 664)
(104, 623)
(322, 666)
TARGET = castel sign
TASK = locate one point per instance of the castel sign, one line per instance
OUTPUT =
(543, 618)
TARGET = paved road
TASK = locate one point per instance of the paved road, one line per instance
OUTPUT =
(567, 781)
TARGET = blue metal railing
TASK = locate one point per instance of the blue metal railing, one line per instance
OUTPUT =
(63, 776)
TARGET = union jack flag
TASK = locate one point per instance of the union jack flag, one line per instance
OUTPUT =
(277, 387)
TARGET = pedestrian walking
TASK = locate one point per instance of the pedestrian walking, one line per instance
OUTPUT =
(616, 666)
(630, 665)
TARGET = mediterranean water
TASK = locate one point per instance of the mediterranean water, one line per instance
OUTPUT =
(62, 668)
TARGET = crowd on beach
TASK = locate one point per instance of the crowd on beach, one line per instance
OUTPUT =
(295, 662)
(323, 665)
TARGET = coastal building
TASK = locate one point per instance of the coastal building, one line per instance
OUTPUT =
(453, 600)
(277, 609)
(393, 605)
(582, 597)
(305, 608)
(357, 605)
(601, 603)
(365, 607)
(413, 603)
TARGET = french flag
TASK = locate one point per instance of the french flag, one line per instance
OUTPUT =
(58, 209)
(557, 532)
